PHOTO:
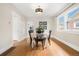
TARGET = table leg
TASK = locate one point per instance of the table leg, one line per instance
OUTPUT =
(36, 43)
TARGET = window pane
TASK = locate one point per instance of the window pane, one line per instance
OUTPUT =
(61, 23)
(73, 13)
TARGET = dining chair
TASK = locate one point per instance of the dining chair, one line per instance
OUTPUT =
(40, 38)
(31, 37)
(49, 37)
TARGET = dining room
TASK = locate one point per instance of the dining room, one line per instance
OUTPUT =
(39, 29)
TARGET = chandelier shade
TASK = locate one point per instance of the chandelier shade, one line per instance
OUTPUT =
(39, 10)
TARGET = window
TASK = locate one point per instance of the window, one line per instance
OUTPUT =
(69, 20)
(61, 23)
(76, 25)
(70, 25)
(73, 13)
(73, 19)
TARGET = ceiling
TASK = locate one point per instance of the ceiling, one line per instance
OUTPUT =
(50, 9)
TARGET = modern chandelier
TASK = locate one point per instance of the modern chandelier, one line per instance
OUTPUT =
(38, 10)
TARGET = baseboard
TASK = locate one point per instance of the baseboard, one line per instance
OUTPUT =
(69, 44)
(5, 49)
(21, 39)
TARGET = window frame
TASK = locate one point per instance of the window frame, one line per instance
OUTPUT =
(66, 18)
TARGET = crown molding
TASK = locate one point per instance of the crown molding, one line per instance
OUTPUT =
(64, 9)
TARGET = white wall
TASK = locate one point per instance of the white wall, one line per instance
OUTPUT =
(5, 27)
(18, 23)
(6, 23)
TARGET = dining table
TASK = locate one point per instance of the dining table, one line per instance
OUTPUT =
(40, 37)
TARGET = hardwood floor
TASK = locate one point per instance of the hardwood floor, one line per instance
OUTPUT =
(23, 49)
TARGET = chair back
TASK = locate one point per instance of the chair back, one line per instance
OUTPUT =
(30, 34)
(49, 34)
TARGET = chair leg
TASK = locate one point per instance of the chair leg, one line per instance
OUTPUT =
(49, 42)
(30, 42)
(36, 43)
(43, 43)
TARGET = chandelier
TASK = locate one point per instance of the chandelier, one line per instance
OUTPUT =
(38, 10)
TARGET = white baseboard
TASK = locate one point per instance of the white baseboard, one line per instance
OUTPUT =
(21, 39)
(67, 43)
(2, 50)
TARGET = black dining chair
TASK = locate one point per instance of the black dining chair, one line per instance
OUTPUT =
(31, 39)
(40, 38)
(49, 37)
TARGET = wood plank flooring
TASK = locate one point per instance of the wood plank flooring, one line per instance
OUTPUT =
(23, 49)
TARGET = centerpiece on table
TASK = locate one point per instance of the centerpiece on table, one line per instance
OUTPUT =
(39, 29)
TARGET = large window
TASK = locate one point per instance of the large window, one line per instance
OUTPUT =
(61, 23)
(69, 21)
(73, 19)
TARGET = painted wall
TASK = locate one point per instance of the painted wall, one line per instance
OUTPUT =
(18, 26)
(6, 26)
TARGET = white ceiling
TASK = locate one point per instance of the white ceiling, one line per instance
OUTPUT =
(50, 9)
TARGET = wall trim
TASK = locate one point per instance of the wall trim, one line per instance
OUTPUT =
(5, 49)
(69, 44)
(65, 9)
